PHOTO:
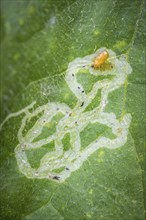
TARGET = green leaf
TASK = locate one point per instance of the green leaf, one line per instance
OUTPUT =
(39, 40)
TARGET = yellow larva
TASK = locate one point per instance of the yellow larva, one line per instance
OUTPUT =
(100, 59)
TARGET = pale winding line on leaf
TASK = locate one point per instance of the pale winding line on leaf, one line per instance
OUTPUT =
(73, 122)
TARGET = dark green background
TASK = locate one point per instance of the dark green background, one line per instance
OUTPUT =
(38, 40)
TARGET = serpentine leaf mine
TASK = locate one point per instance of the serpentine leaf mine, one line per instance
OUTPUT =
(73, 121)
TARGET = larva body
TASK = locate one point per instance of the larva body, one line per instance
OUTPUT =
(100, 59)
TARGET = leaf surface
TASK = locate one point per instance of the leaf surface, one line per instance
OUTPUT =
(38, 41)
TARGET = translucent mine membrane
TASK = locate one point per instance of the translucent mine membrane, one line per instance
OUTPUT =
(72, 159)
(119, 66)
